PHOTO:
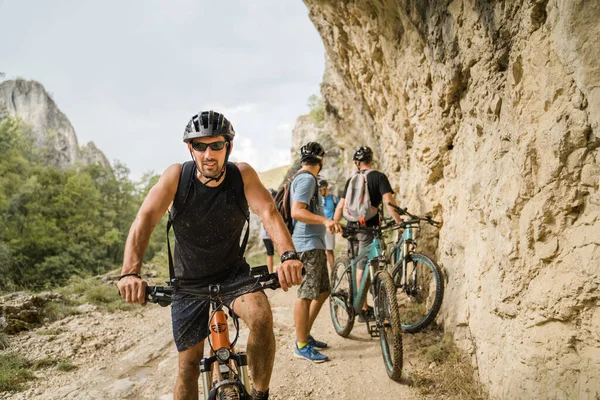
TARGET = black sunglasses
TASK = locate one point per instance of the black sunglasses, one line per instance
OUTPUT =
(199, 146)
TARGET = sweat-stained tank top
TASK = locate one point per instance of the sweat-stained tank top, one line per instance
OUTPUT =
(208, 230)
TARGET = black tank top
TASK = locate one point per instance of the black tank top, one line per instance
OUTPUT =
(208, 229)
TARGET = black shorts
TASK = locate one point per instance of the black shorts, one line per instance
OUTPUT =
(189, 314)
(269, 246)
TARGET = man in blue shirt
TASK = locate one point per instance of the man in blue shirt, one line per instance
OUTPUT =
(310, 226)
(330, 202)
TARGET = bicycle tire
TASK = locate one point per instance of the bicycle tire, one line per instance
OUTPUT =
(420, 299)
(390, 329)
(340, 300)
(229, 393)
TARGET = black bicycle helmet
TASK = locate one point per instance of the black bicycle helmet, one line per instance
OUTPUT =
(363, 153)
(206, 124)
(322, 184)
(312, 152)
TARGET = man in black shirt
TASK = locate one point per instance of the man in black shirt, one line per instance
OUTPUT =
(380, 190)
(208, 227)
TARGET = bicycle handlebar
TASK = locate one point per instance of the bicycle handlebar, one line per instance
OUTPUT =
(413, 218)
(163, 295)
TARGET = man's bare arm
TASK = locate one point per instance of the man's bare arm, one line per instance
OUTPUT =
(339, 210)
(262, 204)
(389, 198)
(151, 211)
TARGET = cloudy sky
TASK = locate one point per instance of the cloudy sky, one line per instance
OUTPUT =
(130, 74)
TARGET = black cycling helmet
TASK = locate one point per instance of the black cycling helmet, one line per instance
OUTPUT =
(312, 152)
(206, 124)
(322, 183)
(363, 153)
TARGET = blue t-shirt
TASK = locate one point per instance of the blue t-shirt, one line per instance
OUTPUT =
(329, 204)
(307, 236)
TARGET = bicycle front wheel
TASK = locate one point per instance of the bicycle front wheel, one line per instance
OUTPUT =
(420, 295)
(388, 321)
(340, 300)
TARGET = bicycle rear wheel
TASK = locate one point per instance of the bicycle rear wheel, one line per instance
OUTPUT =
(340, 301)
(420, 297)
(388, 322)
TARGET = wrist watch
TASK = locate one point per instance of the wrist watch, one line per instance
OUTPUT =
(289, 255)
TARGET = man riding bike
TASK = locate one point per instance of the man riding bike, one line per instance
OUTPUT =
(209, 224)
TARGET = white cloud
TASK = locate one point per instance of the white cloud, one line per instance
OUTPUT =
(131, 89)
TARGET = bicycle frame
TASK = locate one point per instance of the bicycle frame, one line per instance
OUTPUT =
(217, 367)
(373, 251)
(401, 249)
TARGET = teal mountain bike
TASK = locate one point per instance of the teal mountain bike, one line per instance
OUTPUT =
(418, 279)
(347, 298)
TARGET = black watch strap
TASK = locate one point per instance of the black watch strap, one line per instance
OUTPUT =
(289, 255)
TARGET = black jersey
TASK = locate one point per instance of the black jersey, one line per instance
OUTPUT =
(208, 230)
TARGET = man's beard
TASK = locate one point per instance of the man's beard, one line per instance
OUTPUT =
(211, 173)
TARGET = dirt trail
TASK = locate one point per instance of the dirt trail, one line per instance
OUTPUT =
(132, 356)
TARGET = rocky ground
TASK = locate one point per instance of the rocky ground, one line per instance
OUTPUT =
(131, 355)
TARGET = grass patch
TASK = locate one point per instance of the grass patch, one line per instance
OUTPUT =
(453, 374)
(59, 309)
(66, 366)
(4, 342)
(50, 331)
(43, 363)
(14, 372)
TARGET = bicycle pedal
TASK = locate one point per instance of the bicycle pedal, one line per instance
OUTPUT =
(373, 330)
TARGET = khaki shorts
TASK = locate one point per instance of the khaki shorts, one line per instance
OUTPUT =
(316, 280)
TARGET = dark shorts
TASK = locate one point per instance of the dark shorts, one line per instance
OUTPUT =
(269, 246)
(189, 314)
(316, 280)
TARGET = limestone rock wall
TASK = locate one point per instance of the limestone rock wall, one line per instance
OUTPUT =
(487, 114)
(50, 127)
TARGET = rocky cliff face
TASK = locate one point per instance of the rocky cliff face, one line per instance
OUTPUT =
(50, 127)
(486, 113)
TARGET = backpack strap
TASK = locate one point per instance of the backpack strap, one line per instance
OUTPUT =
(186, 179)
(183, 189)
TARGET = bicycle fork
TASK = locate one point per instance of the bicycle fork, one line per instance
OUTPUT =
(222, 359)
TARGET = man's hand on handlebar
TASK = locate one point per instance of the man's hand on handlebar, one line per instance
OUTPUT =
(133, 289)
(289, 273)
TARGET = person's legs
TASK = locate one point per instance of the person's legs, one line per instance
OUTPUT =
(364, 240)
(186, 386)
(301, 319)
(323, 287)
(315, 307)
(308, 294)
(270, 252)
(330, 247)
(255, 311)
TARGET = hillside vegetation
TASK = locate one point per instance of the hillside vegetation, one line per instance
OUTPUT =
(59, 223)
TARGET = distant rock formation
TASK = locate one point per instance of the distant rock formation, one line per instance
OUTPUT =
(50, 127)
(487, 113)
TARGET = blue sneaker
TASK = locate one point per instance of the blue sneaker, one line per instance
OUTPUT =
(317, 344)
(309, 353)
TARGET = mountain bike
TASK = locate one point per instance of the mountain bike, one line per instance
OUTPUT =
(347, 298)
(225, 372)
(417, 277)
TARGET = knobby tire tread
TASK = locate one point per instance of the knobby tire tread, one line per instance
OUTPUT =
(387, 289)
(439, 293)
